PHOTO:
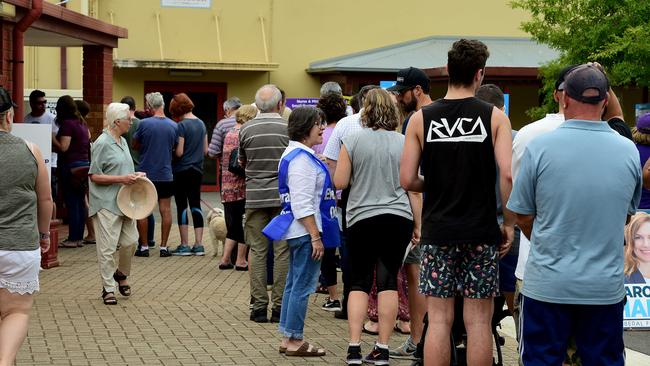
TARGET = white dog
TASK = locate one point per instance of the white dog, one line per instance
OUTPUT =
(217, 229)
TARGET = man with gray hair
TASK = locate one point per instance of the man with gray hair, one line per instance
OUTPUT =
(330, 87)
(155, 138)
(230, 106)
(262, 141)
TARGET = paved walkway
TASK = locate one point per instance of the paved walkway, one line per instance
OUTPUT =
(183, 311)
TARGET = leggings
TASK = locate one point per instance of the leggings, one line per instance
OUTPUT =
(377, 243)
(187, 188)
(328, 267)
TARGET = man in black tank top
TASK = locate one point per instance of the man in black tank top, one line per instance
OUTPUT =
(459, 140)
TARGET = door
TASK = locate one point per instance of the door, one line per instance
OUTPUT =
(208, 99)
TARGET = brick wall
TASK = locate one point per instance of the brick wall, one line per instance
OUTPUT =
(6, 54)
(97, 84)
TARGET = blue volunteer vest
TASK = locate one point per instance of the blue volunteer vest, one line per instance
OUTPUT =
(276, 229)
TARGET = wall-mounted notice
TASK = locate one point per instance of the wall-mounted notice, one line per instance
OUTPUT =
(198, 4)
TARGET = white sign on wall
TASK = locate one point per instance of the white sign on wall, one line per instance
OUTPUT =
(39, 134)
(198, 4)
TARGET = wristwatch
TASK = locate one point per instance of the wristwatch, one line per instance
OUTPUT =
(43, 236)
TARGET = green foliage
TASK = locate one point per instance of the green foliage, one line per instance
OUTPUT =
(615, 33)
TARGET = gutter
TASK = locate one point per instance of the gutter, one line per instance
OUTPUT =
(19, 54)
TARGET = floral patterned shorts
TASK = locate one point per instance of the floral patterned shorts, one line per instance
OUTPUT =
(467, 270)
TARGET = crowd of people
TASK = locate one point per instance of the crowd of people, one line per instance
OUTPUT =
(424, 205)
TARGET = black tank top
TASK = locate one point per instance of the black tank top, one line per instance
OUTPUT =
(459, 173)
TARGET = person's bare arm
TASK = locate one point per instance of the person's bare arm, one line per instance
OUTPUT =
(205, 145)
(343, 170)
(525, 223)
(180, 146)
(613, 109)
(64, 143)
(318, 250)
(415, 199)
(43, 198)
(646, 174)
(502, 133)
(104, 179)
(409, 172)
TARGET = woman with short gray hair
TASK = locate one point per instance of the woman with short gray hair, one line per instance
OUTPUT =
(111, 166)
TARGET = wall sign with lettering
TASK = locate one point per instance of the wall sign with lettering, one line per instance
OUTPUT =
(197, 4)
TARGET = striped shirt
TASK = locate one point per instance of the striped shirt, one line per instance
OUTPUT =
(261, 143)
(218, 134)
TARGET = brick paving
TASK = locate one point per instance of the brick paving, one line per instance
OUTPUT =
(183, 311)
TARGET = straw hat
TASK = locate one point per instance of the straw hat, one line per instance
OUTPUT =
(137, 200)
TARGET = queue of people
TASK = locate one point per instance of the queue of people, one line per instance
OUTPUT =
(442, 193)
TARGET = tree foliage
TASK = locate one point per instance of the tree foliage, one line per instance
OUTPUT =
(615, 33)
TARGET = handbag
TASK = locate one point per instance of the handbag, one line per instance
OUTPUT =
(233, 164)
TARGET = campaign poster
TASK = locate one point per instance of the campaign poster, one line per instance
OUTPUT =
(637, 309)
(39, 134)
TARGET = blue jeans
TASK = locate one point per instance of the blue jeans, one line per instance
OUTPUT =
(301, 282)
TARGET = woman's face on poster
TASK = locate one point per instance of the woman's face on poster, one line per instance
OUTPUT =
(642, 242)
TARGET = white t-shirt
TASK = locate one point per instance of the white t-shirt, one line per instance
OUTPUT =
(46, 118)
(522, 139)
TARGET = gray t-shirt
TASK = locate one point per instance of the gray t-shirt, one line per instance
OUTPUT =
(46, 118)
(193, 131)
(374, 185)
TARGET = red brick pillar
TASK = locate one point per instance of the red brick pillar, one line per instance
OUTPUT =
(97, 84)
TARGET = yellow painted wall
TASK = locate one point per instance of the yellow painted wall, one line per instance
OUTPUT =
(298, 32)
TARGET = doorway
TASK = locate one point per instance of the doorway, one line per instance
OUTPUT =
(208, 99)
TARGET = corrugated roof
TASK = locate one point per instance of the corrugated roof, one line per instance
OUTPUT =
(431, 52)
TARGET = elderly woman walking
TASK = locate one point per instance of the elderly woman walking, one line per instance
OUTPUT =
(26, 207)
(307, 222)
(382, 219)
(111, 166)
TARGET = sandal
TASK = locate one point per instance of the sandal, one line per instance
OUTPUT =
(108, 297)
(399, 330)
(368, 331)
(125, 290)
(223, 266)
(70, 244)
(306, 350)
(242, 268)
(282, 349)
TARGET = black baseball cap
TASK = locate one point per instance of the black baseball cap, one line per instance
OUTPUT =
(5, 100)
(583, 78)
(409, 78)
(563, 73)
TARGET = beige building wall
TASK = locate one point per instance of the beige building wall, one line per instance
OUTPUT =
(291, 33)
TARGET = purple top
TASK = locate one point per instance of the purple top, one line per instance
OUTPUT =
(644, 154)
(326, 136)
(79, 149)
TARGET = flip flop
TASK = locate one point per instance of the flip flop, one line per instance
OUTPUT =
(368, 331)
(306, 350)
(399, 330)
(243, 269)
(223, 266)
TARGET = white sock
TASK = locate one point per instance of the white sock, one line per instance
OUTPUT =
(144, 247)
(379, 345)
(354, 344)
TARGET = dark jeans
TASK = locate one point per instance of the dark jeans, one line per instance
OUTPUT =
(151, 228)
(75, 204)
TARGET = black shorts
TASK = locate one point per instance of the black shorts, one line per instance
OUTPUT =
(164, 189)
(377, 243)
(233, 214)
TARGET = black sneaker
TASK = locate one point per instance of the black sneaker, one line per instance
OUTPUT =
(378, 356)
(354, 356)
(275, 315)
(164, 252)
(340, 314)
(141, 252)
(331, 305)
(259, 316)
(152, 244)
